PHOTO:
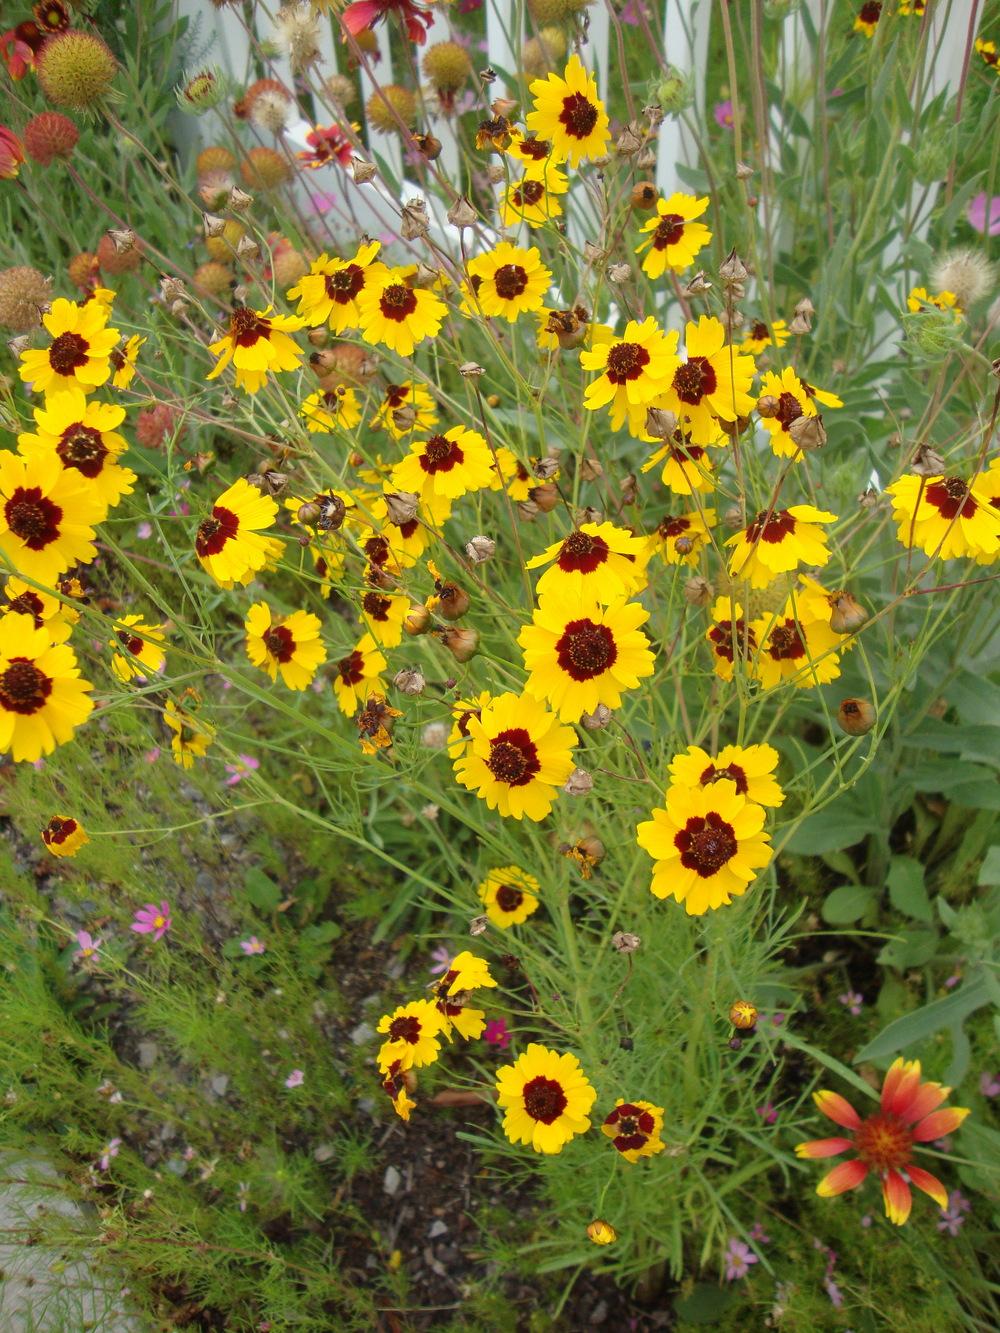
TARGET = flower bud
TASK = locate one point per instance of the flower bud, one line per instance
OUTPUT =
(674, 92)
(479, 925)
(644, 196)
(768, 405)
(453, 601)
(743, 1015)
(698, 591)
(401, 506)
(480, 549)
(733, 517)
(597, 720)
(856, 717)
(579, 783)
(847, 615)
(733, 270)
(463, 644)
(417, 620)
(808, 432)
(601, 1232)
(625, 942)
(427, 146)
(410, 680)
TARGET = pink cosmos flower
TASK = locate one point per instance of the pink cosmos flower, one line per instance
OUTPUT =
(739, 1257)
(152, 920)
(983, 213)
(496, 1033)
(87, 946)
(989, 1085)
(295, 1079)
(952, 1218)
(723, 114)
(110, 1150)
(253, 945)
(758, 1235)
(144, 531)
(244, 766)
(442, 960)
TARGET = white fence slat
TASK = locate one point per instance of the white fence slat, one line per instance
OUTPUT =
(686, 25)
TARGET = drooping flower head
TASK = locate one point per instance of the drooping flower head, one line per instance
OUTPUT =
(465, 973)
(884, 1143)
(679, 538)
(634, 1128)
(673, 237)
(510, 896)
(730, 637)
(64, 836)
(569, 114)
(192, 733)
(79, 352)
(404, 408)
(598, 561)
(867, 17)
(42, 698)
(688, 468)
(518, 757)
(362, 14)
(546, 1097)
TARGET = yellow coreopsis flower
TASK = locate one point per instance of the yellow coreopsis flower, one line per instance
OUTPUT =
(47, 515)
(229, 543)
(794, 399)
(64, 836)
(404, 408)
(797, 644)
(579, 654)
(679, 538)
(749, 767)
(123, 362)
(412, 1033)
(383, 615)
(80, 351)
(518, 757)
(546, 1097)
(192, 734)
(687, 467)
(945, 517)
(45, 609)
(712, 384)
(989, 53)
(465, 973)
(357, 673)
(534, 198)
(42, 698)
(673, 237)
(730, 637)
(83, 435)
(288, 646)
(257, 343)
(510, 896)
(637, 369)
(597, 560)
(920, 299)
(707, 845)
(329, 292)
(867, 17)
(569, 114)
(331, 409)
(446, 466)
(764, 335)
(138, 648)
(771, 544)
(508, 281)
(395, 315)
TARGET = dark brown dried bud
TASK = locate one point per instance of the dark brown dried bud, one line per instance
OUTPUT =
(856, 717)
(427, 146)
(698, 591)
(546, 497)
(463, 644)
(623, 941)
(453, 601)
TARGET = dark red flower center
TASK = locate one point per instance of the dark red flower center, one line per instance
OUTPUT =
(509, 898)
(732, 771)
(731, 637)
(773, 529)
(578, 115)
(789, 408)
(68, 353)
(441, 454)
(706, 844)
(950, 497)
(351, 668)
(28, 603)
(760, 332)
(246, 327)
(280, 643)
(513, 757)
(58, 830)
(130, 642)
(82, 447)
(626, 361)
(510, 281)
(582, 551)
(215, 531)
(585, 649)
(538, 149)
(784, 643)
(527, 193)
(377, 550)
(33, 517)
(376, 607)
(405, 1028)
(544, 1099)
(669, 231)
(344, 283)
(883, 1142)
(23, 687)
(397, 301)
(871, 12)
(694, 380)
(396, 395)
(673, 527)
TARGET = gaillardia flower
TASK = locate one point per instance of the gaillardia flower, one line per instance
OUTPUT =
(707, 845)
(229, 543)
(412, 1033)
(510, 896)
(908, 1115)
(637, 369)
(80, 350)
(712, 384)
(288, 646)
(42, 698)
(508, 281)
(257, 342)
(597, 561)
(773, 543)
(578, 654)
(749, 767)
(64, 836)
(329, 292)
(634, 1128)
(138, 648)
(569, 114)
(84, 437)
(946, 517)
(47, 515)
(395, 315)
(546, 1097)
(674, 237)
(518, 757)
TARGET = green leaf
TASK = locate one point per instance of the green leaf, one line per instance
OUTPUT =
(261, 890)
(989, 871)
(906, 888)
(910, 948)
(918, 1026)
(830, 830)
(705, 1304)
(847, 904)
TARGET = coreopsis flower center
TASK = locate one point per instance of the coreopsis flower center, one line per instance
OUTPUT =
(82, 447)
(27, 604)
(870, 12)
(375, 606)
(537, 149)
(23, 687)
(33, 517)
(375, 722)
(397, 301)
(344, 284)
(669, 231)
(405, 1028)
(732, 771)
(513, 757)
(583, 552)
(117, 359)
(508, 898)
(694, 380)
(215, 531)
(706, 844)
(68, 353)
(130, 642)
(626, 361)
(510, 281)
(527, 193)
(544, 1099)
(351, 668)
(279, 643)
(586, 649)
(789, 408)
(760, 332)
(950, 497)
(785, 642)
(732, 637)
(578, 115)
(883, 1142)
(686, 453)
(377, 550)
(246, 327)
(774, 528)
(58, 830)
(395, 395)
(441, 454)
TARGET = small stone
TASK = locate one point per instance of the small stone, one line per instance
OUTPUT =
(391, 1181)
(364, 1032)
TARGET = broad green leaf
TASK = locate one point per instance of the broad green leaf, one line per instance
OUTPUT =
(989, 871)
(910, 948)
(261, 890)
(923, 1022)
(705, 1304)
(906, 888)
(847, 904)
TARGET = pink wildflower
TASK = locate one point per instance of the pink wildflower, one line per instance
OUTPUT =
(87, 946)
(244, 766)
(253, 945)
(496, 1033)
(152, 920)
(295, 1079)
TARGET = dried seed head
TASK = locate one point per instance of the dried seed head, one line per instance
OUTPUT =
(698, 591)
(410, 680)
(24, 297)
(644, 196)
(362, 171)
(471, 369)
(743, 172)
(808, 432)
(623, 941)
(927, 462)
(799, 324)
(239, 201)
(579, 783)
(247, 248)
(546, 497)
(480, 549)
(453, 601)
(401, 507)
(631, 140)
(213, 225)
(479, 925)
(463, 644)
(733, 270)
(660, 423)
(619, 273)
(698, 286)
(415, 222)
(856, 717)
(968, 274)
(733, 517)
(805, 308)
(597, 720)
(462, 213)
(846, 614)
(417, 620)
(495, 173)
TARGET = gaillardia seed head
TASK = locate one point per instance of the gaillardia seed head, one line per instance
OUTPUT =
(75, 69)
(49, 135)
